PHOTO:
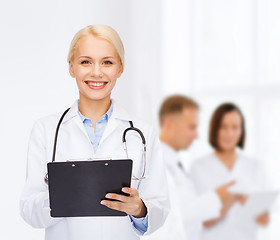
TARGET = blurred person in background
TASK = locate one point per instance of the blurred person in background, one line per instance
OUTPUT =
(226, 163)
(179, 119)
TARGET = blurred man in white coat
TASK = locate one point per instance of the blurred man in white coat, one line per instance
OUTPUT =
(179, 119)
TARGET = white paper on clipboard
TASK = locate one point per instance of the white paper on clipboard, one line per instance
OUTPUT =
(257, 204)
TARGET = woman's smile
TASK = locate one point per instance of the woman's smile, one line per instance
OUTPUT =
(96, 85)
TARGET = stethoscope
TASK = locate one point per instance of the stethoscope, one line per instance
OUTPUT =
(131, 128)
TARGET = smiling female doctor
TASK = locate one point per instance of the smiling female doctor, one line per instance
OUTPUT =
(93, 128)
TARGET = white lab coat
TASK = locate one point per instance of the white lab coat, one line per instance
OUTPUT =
(208, 173)
(187, 209)
(73, 143)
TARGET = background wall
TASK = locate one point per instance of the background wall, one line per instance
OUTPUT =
(228, 51)
(214, 51)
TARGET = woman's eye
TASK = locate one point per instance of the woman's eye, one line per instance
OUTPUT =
(107, 62)
(85, 62)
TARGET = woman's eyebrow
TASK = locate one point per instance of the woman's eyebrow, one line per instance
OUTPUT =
(107, 57)
(102, 58)
(85, 57)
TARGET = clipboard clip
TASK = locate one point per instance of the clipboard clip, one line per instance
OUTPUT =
(87, 159)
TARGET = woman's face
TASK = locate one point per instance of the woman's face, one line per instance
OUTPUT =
(230, 131)
(96, 67)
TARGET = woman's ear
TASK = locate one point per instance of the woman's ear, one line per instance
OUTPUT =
(120, 71)
(71, 69)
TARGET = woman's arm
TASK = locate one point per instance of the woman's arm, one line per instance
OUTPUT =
(206, 206)
(233, 198)
(153, 190)
(150, 201)
(34, 201)
(226, 207)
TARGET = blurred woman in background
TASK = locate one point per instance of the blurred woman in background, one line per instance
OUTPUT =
(227, 163)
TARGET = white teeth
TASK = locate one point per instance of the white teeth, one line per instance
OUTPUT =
(95, 84)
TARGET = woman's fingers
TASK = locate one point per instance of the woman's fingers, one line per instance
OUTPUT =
(224, 194)
(118, 197)
(131, 204)
(242, 198)
(263, 219)
(116, 205)
(131, 191)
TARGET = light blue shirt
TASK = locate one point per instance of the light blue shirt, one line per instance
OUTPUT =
(95, 136)
(141, 224)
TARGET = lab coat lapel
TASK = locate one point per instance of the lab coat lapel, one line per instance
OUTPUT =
(118, 114)
(80, 124)
(74, 116)
(110, 128)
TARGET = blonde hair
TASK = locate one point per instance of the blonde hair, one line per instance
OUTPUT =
(99, 31)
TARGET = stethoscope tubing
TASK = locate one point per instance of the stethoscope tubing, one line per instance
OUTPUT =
(131, 128)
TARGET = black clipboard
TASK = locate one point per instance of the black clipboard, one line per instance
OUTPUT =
(76, 188)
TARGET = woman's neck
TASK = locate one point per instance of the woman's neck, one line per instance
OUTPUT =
(227, 157)
(94, 110)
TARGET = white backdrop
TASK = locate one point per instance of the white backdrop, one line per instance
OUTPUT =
(212, 50)
(218, 51)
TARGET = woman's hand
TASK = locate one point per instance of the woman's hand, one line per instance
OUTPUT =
(263, 219)
(228, 199)
(242, 199)
(210, 223)
(226, 207)
(223, 193)
(132, 204)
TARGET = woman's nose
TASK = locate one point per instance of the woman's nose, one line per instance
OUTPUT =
(96, 71)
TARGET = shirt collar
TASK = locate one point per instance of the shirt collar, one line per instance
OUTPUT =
(106, 116)
(172, 159)
(116, 112)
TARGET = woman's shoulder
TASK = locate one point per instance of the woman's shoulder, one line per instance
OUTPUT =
(143, 124)
(241, 154)
(246, 159)
(44, 127)
(48, 121)
(148, 130)
(53, 119)
(122, 114)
